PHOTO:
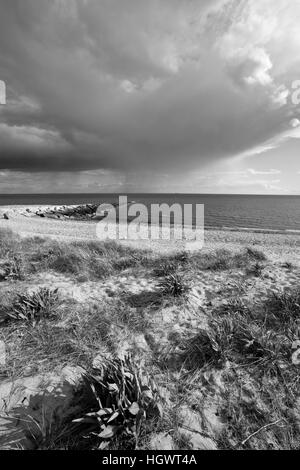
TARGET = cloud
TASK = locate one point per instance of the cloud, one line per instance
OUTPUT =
(258, 184)
(143, 85)
(295, 123)
(60, 182)
(2, 93)
(266, 172)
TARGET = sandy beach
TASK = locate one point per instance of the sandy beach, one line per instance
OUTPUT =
(276, 245)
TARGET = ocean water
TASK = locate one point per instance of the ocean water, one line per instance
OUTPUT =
(231, 211)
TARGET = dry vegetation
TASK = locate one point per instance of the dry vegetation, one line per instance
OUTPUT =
(203, 354)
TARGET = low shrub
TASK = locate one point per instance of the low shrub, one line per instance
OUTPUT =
(284, 306)
(33, 307)
(122, 398)
(174, 285)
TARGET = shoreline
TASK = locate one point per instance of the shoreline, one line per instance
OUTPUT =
(19, 211)
(279, 246)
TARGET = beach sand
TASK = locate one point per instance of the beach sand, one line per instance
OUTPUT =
(277, 245)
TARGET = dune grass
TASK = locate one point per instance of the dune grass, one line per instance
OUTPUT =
(242, 356)
(85, 261)
(222, 260)
(254, 348)
(98, 260)
(33, 307)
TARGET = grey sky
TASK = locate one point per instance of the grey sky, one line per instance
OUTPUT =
(136, 86)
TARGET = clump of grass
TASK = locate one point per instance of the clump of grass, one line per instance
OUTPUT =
(165, 269)
(174, 285)
(125, 262)
(6, 234)
(249, 342)
(288, 265)
(99, 268)
(255, 254)
(181, 257)
(13, 268)
(258, 345)
(170, 264)
(243, 417)
(122, 399)
(240, 340)
(203, 350)
(33, 307)
(74, 338)
(259, 411)
(235, 306)
(70, 262)
(134, 318)
(284, 306)
(9, 242)
(84, 260)
(73, 259)
(122, 256)
(52, 434)
(222, 260)
(255, 269)
(87, 260)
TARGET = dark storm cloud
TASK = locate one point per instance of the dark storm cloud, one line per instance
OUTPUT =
(136, 84)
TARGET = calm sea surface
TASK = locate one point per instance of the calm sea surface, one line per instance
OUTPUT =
(260, 212)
